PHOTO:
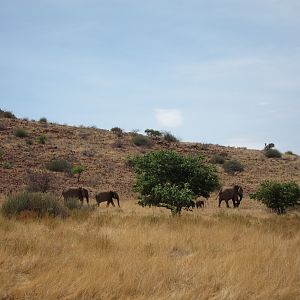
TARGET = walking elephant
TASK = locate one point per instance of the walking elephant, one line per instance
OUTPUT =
(234, 193)
(107, 197)
(76, 192)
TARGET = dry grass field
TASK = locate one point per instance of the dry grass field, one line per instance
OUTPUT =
(144, 253)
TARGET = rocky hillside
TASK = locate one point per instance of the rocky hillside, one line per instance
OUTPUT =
(104, 154)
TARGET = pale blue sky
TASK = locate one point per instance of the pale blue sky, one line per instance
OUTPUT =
(217, 71)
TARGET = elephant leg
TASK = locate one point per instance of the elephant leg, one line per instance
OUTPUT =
(220, 203)
(112, 202)
(227, 204)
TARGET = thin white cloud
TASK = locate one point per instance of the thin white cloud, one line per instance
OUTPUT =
(264, 103)
(169, 117)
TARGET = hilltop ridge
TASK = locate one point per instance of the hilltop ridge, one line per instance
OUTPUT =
(104, 155)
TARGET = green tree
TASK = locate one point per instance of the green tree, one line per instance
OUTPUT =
(278, 196)
(78, 170)
(170, 180)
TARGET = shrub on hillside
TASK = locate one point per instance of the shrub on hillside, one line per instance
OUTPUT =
(41, 139)
(21, 133)
(141, 140)
(43, 120)
(39, 203)
(59, 165)
(290, 153)
(169, 137)
(272, 153)
(117, 130)
(232, 166)
(38, 181)
(217, 159)
(153, 133)
(278, 196)
(7, 114)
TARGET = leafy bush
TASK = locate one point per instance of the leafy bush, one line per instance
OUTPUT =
(232, 166)
(43, 120)
(38, 181)
(153, 133)
(29, 142)
(217, 159)
(7, 114)
(117, 130)
(7, 165)
(41, 139)
(290, 153)
(20, 132)
(278, 196)
(59, 165)
(272, 153)
(141, 140)
(41, 204)
(169, 137)
(170, 180)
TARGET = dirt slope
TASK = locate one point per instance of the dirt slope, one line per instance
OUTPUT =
(104, 156)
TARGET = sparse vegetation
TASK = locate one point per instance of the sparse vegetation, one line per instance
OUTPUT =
(7, 114)
(272, 153)
(117, 130)
(7, 165)
(153, 133)
(232, 166)
(41, 139)
(290, 153)
(29, 141)
(278, 196)
(141, 140)
(59, 165)
(217, 159)
(39, 203)
(21, 133)
(38, 181)
(167, 179)
(169, 137)
(43, 120)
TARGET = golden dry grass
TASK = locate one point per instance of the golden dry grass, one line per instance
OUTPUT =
(143, 253)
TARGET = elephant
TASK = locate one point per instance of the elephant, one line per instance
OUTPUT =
(76, 192)
(191, 205)
(199, 203)
(108, 197)
(234, 193)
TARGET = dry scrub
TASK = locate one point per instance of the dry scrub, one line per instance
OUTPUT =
(136, 253)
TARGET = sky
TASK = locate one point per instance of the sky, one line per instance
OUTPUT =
(220, 71)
